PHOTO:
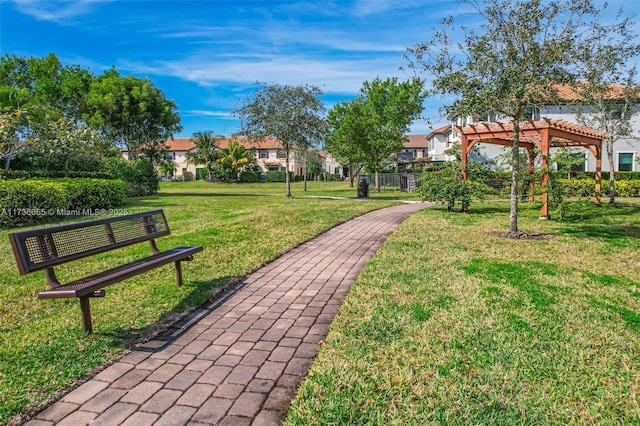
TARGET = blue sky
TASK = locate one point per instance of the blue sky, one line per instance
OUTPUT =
(206, 55)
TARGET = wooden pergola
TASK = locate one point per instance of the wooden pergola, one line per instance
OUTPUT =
(544, 135)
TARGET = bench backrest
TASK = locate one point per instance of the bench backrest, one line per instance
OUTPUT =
(46, 247)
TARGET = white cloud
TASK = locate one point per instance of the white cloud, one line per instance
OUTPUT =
(337, 75)
(56, 11)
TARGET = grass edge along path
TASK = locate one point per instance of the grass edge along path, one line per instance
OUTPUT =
(42, 347)
(451, 324)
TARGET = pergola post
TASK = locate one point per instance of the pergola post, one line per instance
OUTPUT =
(598, 174)
(463, 158)
(530, 170)
(544, 147)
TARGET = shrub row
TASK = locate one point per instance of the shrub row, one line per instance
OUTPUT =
(52, 174)
(27, 202)
(586, 187)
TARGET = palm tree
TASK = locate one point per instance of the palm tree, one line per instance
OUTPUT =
(167, 169)
(237, 158)
(207, 151)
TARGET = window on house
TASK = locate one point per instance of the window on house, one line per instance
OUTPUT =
(282, 153)
(264, 153)
(616, 114)
(625, 161)
(171, 156)
(531, 113)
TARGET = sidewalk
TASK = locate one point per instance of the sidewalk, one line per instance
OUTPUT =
(239, 360)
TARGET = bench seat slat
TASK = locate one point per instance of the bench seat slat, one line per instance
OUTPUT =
(88, 285)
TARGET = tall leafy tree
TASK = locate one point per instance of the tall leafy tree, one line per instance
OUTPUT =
(237, 158)
(388, 109)
(207, 151)
(133, 113)
(346, 134)
(293, 115)
(510, 62)
(609, 95)
(12, 140)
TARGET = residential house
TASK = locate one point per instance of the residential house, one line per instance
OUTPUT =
(417, 147)
(269, 156)
(626, 150)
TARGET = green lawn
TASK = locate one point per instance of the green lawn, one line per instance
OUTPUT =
(241, 226)
(452, 324)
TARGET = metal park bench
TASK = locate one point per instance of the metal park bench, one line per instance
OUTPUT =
(46, 248)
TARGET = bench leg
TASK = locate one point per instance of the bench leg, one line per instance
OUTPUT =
(86, 314)
(179, 272)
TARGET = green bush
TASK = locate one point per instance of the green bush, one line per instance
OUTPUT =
(139, 175)
(587, 187)
(579, 187)
(627, 188)
(276, 176)
(52, 174)
(448, 187)
(250, 176)
(26, 202)
(93, 193)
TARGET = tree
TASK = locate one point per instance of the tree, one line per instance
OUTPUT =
(516, 58)
(206, 153)
(370, 129)
(609, 96)
(12, 142)
(346, 133)
(236, 157)
(388, 110)
(168, 169)
(132, 113)
(292, 115)
(315, 163)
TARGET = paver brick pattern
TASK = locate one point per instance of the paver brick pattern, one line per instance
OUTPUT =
(240, 359)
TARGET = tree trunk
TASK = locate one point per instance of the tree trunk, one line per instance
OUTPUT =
(377, 179)
(350, 175)
(305, 176)
(612, 177)
(515, 168)
(287, 178)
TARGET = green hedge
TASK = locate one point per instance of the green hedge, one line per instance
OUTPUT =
(27, 202)
(140, 176)
(586, 187)
(250, 176)
(55, 174)
(276, 176)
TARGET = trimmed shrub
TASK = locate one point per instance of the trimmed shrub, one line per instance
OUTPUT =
(139, 175)
(26, 202)
(276, 176)
(52, 174)
(627, 188)
(93, 193)
(250, 176)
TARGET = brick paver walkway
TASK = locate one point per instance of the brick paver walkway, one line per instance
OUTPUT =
(239, 360)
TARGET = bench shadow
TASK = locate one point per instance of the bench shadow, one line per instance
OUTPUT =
(173, 325)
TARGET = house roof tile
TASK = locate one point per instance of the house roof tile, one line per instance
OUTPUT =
(416, 141)
(567, 92)
(186, 144)
(444, 130)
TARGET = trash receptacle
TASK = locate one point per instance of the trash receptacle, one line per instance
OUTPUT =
(363, 188)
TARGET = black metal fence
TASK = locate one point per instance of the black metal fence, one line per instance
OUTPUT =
(405, 182)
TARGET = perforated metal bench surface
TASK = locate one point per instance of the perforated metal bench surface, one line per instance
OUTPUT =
(45, 248)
